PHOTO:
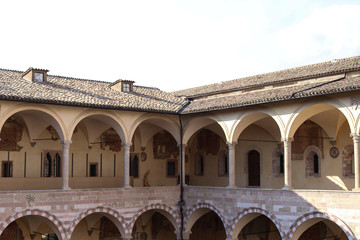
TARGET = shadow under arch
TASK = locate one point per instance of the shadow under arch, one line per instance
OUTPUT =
(197, 211)
(169, 124)
(168, 212)
(195, 124)
(249, 117)
(55, 224)
(53, 118)
(305, 111)
(110, 213)
(246, 216)
(305, 221)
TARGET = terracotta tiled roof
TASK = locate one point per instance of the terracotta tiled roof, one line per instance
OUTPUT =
(293, 91)
(87, 93)
(288, 75)
(271, 87)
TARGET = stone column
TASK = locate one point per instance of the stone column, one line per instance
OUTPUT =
(355, 138)
(287, 163)
(183, 163)
(65, 163)
(126, 164)
(232, 159)
(186, 235)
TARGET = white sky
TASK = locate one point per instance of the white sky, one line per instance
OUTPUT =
(175, 44)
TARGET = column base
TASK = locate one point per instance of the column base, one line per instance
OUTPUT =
(355, 189)
(126, 186)
(231, 186)
(286, 188)
(66, 188)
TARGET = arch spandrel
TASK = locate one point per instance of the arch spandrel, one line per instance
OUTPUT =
(48, 114)
(312, 107)
(249, 117)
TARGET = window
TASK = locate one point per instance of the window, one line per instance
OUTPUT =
(223, 163)
(312, 168)
(281, 163)
(93, 169)
(7, 169)
(126, 87)
(199, 164)
(316, 163)
(134, 165)
(52, 164)
(38, 77)
(171, 167)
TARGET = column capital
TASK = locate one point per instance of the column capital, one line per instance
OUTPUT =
(287, 140)
(355, 137)
(66, 142)
(231, 144)
(126, 144)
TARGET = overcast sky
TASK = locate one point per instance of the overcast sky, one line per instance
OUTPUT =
(175, 44)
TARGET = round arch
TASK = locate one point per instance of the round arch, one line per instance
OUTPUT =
(296, 119)
(250, 116)
(52, 220)
(302, 223)
(246, 216)
(197, 211)
(196, 124)
(105, 116)
(164, 122)
(55, 119)
(110, 213)
(168, 212)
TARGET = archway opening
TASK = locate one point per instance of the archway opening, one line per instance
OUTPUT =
(98, 226)
(260, 228)
(253, 157)
(31, 227)
(322, 229)
(96, 153)
(153, 225)
(30, 150)
(209, 226)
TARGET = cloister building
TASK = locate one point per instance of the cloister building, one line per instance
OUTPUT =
(267, 157)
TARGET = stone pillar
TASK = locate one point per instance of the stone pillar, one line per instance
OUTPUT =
(65, 163)
(287, 163)
(127, 238)
(183, 163)
(355, 138)
(186, 235)
(232, 159)
(126, 165)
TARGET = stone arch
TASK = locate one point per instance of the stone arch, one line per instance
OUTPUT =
(112, 214)
(57, 225)
(196, 124)
(309, 155)
(163, 122)
(246, 216)
(113, 120)
(55, 119)
(297, 228)
(198, 211)
(168, 212)
(250, 116)
(295, 121)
